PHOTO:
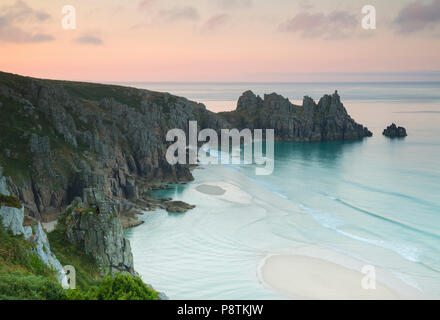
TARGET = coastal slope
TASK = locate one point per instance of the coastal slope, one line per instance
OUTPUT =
(59, 137)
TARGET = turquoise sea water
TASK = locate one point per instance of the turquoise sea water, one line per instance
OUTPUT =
(376, 200)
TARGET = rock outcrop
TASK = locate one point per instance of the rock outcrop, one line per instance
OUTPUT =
(177, 206)
(92, 223)
(327, 120)
(394, 131)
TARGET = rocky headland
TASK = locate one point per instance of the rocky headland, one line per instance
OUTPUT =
(326, 120)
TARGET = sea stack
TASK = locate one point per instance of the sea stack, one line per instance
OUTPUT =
(325, 120)
(394, 131)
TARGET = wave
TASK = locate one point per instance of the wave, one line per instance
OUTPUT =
(387, 219)
(390, 193)
(267, 186)
(410, 253)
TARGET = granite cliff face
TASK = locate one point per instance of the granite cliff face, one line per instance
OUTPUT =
(92, 224)
(58, 138)
(326, 120)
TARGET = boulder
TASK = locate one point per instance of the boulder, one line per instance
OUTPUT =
(177, 206)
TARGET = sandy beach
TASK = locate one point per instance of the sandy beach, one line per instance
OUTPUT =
(312, 272)
(305, 277)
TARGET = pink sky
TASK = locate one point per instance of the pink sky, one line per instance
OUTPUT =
(215, 40)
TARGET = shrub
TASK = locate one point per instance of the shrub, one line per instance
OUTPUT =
(117, 287)
(18, 286)
(16, 254)
(87, 270)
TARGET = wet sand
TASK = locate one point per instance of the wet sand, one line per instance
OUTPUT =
(211, 190)
(304, 277)
(225, 191)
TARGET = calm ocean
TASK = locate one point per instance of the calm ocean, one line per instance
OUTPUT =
(375, 200)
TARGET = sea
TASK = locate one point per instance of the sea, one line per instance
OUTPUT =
(376, 200)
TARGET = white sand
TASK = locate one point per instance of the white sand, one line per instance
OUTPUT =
(225, 191)
(310, 278)
(311, 272)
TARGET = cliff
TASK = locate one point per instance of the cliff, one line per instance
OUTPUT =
(326, 120)
(59, 137)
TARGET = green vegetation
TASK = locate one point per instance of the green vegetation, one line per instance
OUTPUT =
(22, 274)
(90, 285)
(87, 271)
(117, 287)
(13, 126)
(19, 286)
(16, 255)
(97, 92)
(9, 201)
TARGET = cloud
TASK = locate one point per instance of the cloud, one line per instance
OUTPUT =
(215, 21)
(235, 4)
(12, 19)
(89, 39)
(180, 13)
(305, 5)
(336, 24)
(418, 16)
(146, 4)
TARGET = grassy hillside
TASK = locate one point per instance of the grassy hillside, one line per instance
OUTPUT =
(22, 274)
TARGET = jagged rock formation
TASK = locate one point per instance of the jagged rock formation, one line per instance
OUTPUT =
(92, 223)
(393, 131)
(326, 121)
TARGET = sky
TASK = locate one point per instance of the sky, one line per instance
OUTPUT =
(221, 40)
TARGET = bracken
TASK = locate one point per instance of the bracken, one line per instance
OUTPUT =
(9, 201)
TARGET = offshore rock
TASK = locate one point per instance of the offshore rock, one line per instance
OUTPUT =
(393, 131)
